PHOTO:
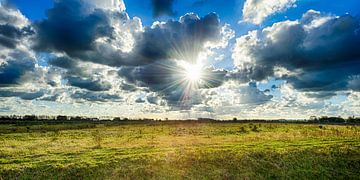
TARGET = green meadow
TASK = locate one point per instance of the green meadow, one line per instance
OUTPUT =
(179, 150)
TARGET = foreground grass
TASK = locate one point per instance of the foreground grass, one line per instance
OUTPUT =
(180, 150)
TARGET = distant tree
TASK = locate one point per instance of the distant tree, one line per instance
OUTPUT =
(61, 118)
(30, 117)
(117, 119)
(313, 118)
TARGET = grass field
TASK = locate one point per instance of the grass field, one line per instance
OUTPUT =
(180, 150)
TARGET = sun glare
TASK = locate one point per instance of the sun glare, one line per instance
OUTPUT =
(191, 78)
(193, 73)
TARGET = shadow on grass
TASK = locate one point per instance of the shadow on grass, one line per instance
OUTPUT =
(339, 162)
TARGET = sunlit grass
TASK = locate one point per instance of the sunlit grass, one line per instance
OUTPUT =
(179, 150)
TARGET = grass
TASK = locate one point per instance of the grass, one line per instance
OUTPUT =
(179, 150)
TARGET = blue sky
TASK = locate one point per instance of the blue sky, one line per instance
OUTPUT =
(180, 59)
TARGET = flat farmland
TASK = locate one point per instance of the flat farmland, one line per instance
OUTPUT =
(179, 150)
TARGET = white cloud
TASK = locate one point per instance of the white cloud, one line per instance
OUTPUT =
(115, 5)
(255, 11)
(13, 17)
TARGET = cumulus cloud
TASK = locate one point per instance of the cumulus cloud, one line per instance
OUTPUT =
(16, 56)
(92, 52)
(164, 44)
(12, 16)
(114, 5)
(12, 71)
(162, 7)
(112, 38)
(318, 52)
(256, 11)
(101, 35)
(108, 37)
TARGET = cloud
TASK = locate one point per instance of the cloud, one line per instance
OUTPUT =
(318, 52)
(256, 11)
(112, 38)
(114, 5)
(95, 96)
(21, 94)
(12, 71)
(92, 85)
(11, 16)
(16, 57)
(139, 100)
(101, 35)
(164, 44)
(321, 95)
(58, 32)
(63, 62)
(354, 83)
(232, 94)
(166, 79)
(162, 7)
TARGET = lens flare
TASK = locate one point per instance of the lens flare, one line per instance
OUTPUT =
(193, 72)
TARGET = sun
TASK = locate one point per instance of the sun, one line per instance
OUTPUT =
(193, 73)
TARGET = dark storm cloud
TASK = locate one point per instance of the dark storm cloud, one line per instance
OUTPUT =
(89, 84)
(95, 96)
(323, 51)
(12, 71)
(163, 7)
(70, 29)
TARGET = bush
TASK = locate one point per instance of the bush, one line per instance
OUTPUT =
(255, 129)
(242, 130)
(97, 138)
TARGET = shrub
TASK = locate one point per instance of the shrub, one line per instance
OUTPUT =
(242, 130)
(255, 129)
(97, 138)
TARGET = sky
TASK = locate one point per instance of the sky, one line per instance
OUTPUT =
(183, 59)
